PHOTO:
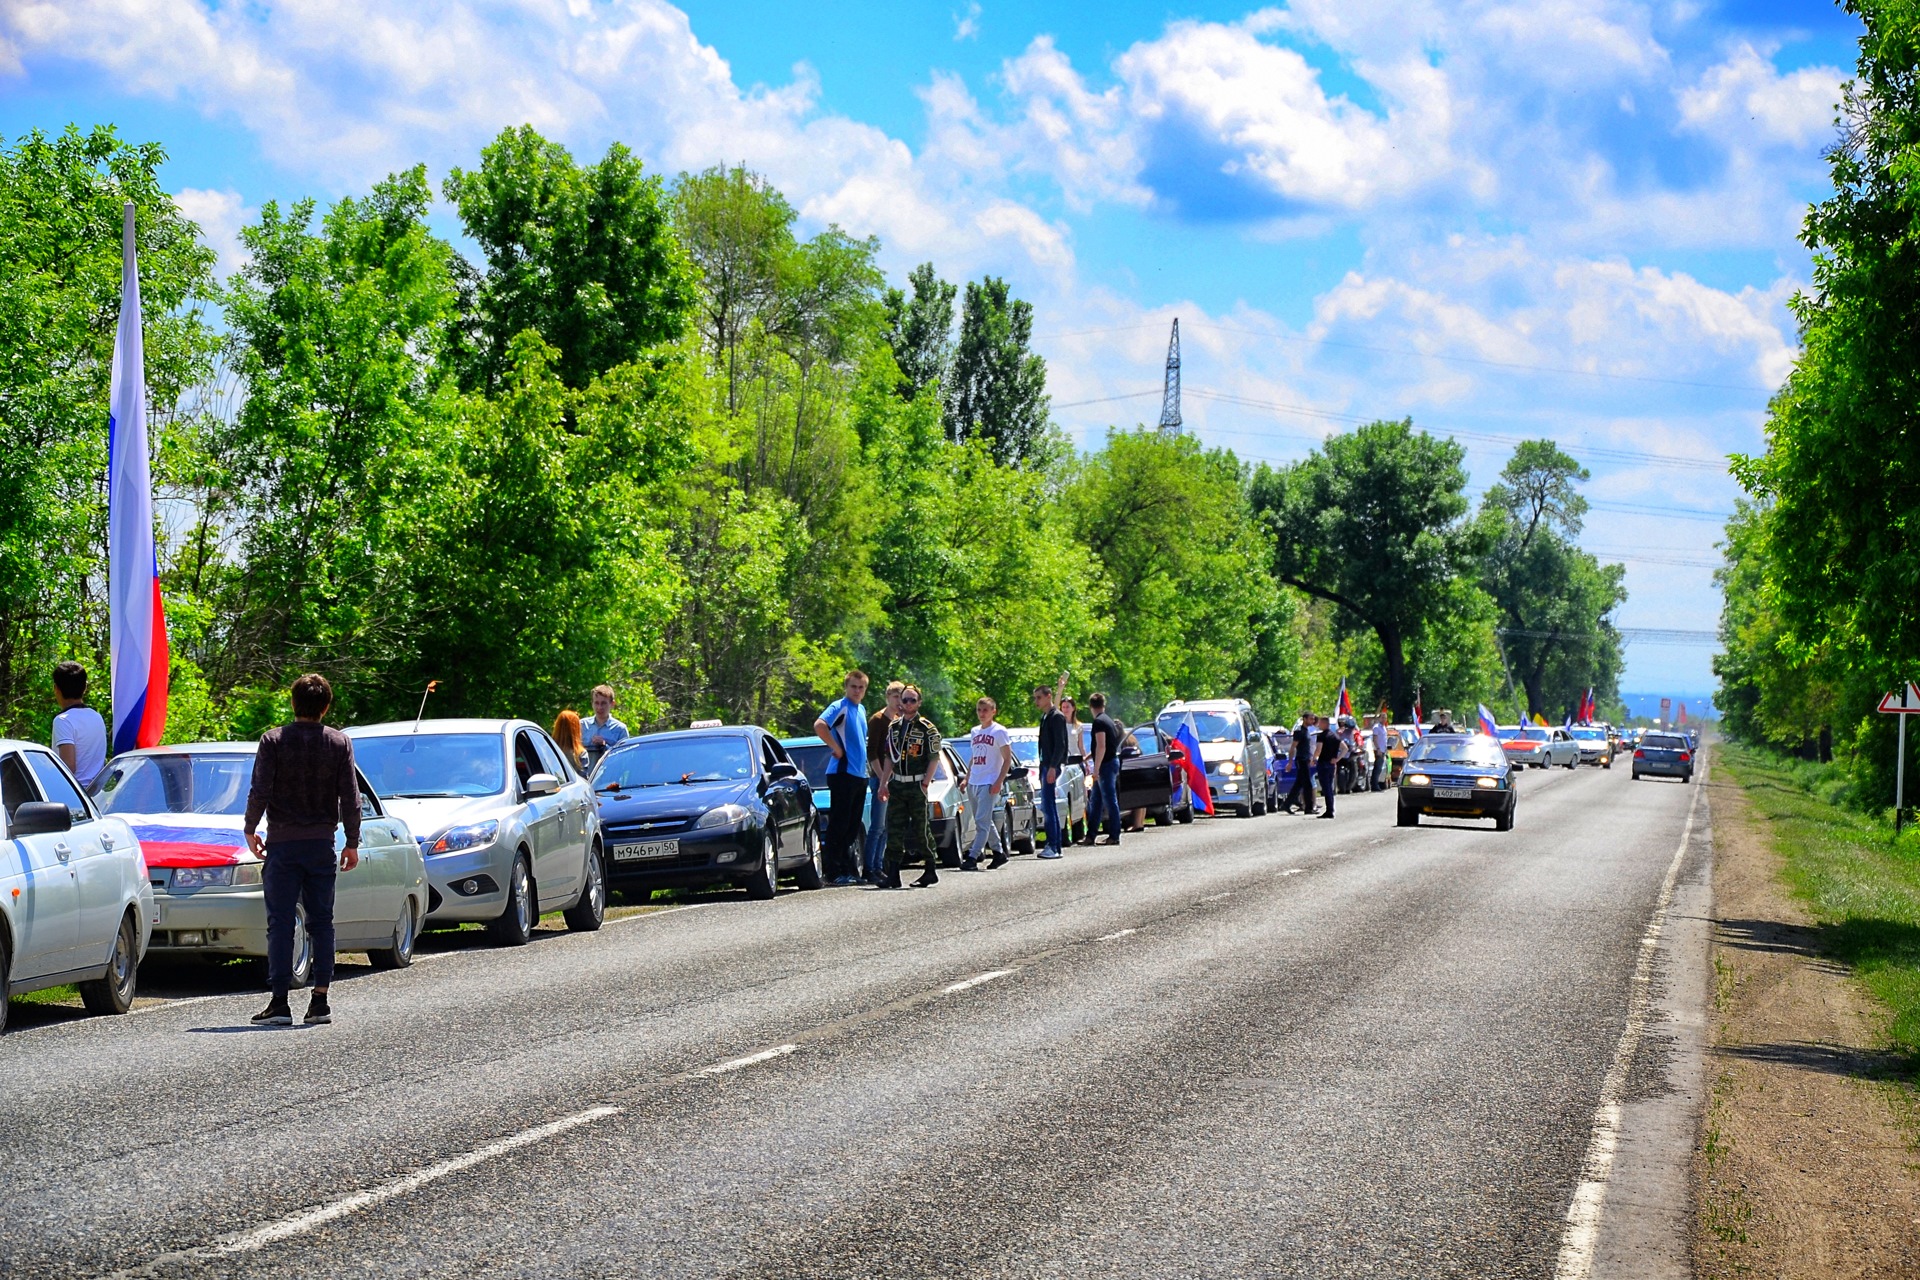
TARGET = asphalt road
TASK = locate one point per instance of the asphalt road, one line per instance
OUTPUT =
(1272, 1047)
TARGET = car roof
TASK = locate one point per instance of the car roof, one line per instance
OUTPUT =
(395, 728)
(10, 744)
(711, 731)
(1205, 704)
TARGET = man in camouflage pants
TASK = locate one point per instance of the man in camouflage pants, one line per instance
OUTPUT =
(906, 772)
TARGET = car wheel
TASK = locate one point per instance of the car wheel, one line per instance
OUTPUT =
(1504, 821)
(1686, 777)
(765, 885)
(1185, 815)
(810, 874)
(590, 911)
(1245, 810)
(112, 991)
(1406, 817)
(302, 949)
(514, 926)
(1161, 817)
(1024, 844)
(1636, 775)
(406, 931)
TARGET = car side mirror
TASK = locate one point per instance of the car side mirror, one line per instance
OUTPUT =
(1127, 753)
(541, 784)
(1019, 771)
(41, 818)
(782, 771)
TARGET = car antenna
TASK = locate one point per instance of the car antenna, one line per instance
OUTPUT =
(431, 686)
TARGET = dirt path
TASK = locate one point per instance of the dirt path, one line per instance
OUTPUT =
(1803, 1168)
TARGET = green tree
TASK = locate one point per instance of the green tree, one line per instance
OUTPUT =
(997, 390)
(920, 330)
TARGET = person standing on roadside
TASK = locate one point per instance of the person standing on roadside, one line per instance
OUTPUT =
(602, 732)
(1302, 790)
(989, 761)
(79, 734)
(1443, 722)
(305, 786)
(843, 727)
(876, 861)
(1053, 762)
(1382, 760)
(1332, 746)
(566, 736)
(913, 745)
(1105, 737)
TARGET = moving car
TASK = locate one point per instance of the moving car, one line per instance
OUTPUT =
(1147, 780)
(508, 828)
(75, 905)
(188, 806)
(813, 756)
(1457, 776)
(1232, 749)
(1663, 755)
(1539, 747)
(1069, 789)
(697, 808)
(1594, 745)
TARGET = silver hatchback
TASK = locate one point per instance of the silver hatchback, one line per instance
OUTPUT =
(508, 828)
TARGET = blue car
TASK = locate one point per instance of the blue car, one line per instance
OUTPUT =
(812, 756)
(706, 807)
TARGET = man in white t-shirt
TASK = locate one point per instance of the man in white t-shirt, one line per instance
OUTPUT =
(990, 757)
(79, 734)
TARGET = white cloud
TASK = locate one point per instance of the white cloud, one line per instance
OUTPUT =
(1746, 99)
(966, 26)
(220, 215)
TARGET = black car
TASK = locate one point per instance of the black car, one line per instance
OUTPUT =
(706, 807)
(1147, 779)
(1457, 776)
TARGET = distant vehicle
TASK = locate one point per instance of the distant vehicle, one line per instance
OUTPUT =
(1457, 776)
(1594, 744)
(188, 805)
(703, 807)
(1663, 755)
(75, 904)
(1232, 750)
(813, 756)
(1539, 747)
(1069, 788)
(1147, 780)
(508, 828)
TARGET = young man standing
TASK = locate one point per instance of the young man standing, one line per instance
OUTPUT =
(991, 758)
(843, 727)
(602, 733)
(304, 784)
(79, 734)
(1107, 737)
(913, 744)
(1382, 762)
(1302, 791)
(1053, 759)
(876, 859)
(1331, 745)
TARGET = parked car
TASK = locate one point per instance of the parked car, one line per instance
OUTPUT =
(1232, 749)
(813, 755)
(1594, 745)
(188, 806)
(1147, 779)
(75, 905)
(1457, 776)
(1069, 788)
(1539, 747)
(507, 827)
(697, 808)
(1663, 755)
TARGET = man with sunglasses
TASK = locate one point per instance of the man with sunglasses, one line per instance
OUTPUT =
(906, 774)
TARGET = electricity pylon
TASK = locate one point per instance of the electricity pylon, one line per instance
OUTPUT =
(1170, 405)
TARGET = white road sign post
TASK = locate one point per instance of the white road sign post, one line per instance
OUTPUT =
(1903, 704)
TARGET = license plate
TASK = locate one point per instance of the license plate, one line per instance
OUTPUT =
(1453, 793)
(646, 851)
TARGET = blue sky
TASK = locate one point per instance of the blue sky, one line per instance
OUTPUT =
(1550, 218)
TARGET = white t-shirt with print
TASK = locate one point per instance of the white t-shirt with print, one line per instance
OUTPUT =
(983, 765)
(83, 728)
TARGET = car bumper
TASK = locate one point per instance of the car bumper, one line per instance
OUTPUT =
(1662, 768)
(229, 922)
(449, 876)
(714, 856)
(1481, 802)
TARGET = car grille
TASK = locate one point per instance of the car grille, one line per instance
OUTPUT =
(646, 830)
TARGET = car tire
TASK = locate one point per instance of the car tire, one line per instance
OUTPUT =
(1636, 775)
(1185, 815)
(810, 874)
(513, 927)
(112, 991)
(406, 931)
(766, 886)
(1504, 821)
(1686, 777)
(1405, 817)
(590, 912)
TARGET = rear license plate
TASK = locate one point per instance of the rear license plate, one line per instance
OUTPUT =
(1453, 793)
(646, 851)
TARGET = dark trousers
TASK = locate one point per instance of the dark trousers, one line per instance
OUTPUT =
(1106, 799)
(1302, 792)
(846, 798)
(299, 872)
(1326, 783)
(909, 836)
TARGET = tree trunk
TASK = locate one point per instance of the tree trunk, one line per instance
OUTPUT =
(1397, 691)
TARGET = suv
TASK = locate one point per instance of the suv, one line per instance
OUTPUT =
(1232, 749)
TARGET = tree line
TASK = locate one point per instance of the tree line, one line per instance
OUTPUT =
(646, 432)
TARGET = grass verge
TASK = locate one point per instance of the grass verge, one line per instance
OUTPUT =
(1861, 881)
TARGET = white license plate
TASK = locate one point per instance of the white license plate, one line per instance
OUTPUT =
(1453, 793)
(646, 851)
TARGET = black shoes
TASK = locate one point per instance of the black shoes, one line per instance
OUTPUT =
(969, 864)
(999, 860)
(892, 881)
(928, 879)
(1327, 814)
(317, 1011)
(276, 1014)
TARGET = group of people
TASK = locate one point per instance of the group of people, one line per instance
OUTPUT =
(890, 756)
(585, 741)
(1319, 745)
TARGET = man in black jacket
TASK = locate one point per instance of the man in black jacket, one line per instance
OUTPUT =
(1302, 789)
(1331, 747)
(1053, 759)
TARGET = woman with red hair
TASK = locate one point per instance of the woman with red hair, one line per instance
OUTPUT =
(566, 736)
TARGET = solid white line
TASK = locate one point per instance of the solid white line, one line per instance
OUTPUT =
(969, 983)
(751, 1060)
(1590, 1197)
(1217, 896)
(654, 915)
(1109, 937)
(1294, 871)
(273, 1232)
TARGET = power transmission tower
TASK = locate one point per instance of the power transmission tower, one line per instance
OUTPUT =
(1170, 405)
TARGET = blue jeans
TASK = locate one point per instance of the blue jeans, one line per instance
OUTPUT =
(299, 871)
(1050, 811)
(876, 850)
(1106, 799)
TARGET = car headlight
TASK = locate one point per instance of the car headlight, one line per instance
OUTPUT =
(727, 815)
(470, 836)
(1232, 768)
(205, 877)
(1417, 779)
(1486, 782)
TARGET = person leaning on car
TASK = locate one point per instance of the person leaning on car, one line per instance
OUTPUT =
(304, 785)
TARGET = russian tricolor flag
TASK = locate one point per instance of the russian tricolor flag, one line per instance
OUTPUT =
(1343, 705)
(1488, 725)
(1189, 765)
(137, 623)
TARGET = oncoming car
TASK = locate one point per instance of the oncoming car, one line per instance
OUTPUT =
(1594, 744)
(1457, 776)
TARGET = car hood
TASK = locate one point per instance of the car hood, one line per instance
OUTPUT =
(673, 800)
(1215, 752)
(1454, 769)
(190, 839)
(428, 816)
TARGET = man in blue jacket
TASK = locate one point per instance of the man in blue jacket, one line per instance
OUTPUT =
(843, 727)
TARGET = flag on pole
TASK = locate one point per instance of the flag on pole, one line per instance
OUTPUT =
(1189, 765)
(1488, 725)
(1681, 720)
(1586, 712)
(1343, 705)
(1539, 719)
(136, 622)
(1419, 717)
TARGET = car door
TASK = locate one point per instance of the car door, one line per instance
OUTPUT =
(387, 853)
(545, 818)
(45, 894)
(570, 853)
(98, 875)
(782, 819)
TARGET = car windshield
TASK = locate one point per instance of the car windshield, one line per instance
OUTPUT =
(1456, 749)
(1530, 731)
(415, 766)
(1149, 740)
(1208, 726)
(656, 762)
(1026, 750)
(813, 762)
(176, 783)
(1667, 741)
(1591, 735)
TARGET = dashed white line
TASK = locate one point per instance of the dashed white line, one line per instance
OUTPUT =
(1338, 853)
(967, 984)
(1118, 933)
(1294, 871)
(751, 1060)
(1215, 897)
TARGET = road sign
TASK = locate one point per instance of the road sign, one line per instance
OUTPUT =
(1904, 703)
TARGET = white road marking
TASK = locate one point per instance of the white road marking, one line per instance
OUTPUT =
(1294, 871)
(274, 1232)
(654, 915)
(1338, 853)
(1109, 937)
(751, 1060)
(968, 984)
(1590, 1197)
(1217, 896)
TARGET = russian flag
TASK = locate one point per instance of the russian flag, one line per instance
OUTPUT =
(1343, 706)
(136, 620)
(1190, 767)
(1488, 725)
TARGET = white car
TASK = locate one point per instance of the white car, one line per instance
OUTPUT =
(75, 905)
(1539, 747)
(1595, 747)
(188, 806)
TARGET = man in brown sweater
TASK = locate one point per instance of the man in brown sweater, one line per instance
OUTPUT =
(305, 786)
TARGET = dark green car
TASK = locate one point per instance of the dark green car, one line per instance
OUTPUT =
(1457, 776)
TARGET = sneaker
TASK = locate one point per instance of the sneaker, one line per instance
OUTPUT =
(1111, 840)
(969, 864)
(317, 1011)
(999, 860)
(276, 1014)
(1049, 854)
